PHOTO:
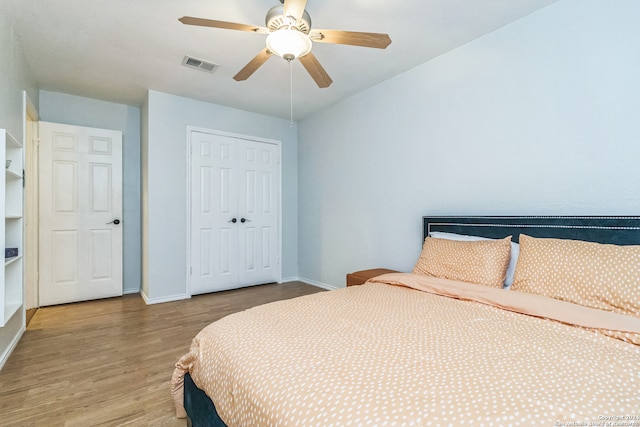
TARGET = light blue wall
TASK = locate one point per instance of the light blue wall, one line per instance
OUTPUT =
(15, 77)
(539, 117)
(165, 184)
(79, 111)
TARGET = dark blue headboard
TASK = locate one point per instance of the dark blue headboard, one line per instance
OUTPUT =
(619, 230)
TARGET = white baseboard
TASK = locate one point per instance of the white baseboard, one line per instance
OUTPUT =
(318, 284)
(150, 301)
(290, 279)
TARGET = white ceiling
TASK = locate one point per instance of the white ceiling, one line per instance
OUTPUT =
(115, 50)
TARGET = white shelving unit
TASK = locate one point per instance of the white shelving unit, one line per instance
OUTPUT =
(11, 199)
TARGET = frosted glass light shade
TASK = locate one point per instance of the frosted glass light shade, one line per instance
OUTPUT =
(289, 44)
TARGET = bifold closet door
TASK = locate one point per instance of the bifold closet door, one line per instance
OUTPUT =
(234, 212)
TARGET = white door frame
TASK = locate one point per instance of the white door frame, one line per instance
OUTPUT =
(190, 131)
(31, 241)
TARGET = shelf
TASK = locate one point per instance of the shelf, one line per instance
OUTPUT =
(11, 202)
(10, 309)
(12, 175)
(11, 141)
(11, 260)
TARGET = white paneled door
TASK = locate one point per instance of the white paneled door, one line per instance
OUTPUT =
(235, 205)
(80, 203)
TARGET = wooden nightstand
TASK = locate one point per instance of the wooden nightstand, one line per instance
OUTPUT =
(359, 277)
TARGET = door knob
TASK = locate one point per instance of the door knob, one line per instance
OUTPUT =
(243, 220)
(115, 221)
(233, 220)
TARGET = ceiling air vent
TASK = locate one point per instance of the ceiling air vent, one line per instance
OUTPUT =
(200, 64)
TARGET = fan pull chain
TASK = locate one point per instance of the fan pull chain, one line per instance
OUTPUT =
(290, 94)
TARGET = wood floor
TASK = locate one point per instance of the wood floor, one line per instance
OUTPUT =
(109, 362)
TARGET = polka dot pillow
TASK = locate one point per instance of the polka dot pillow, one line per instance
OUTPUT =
(595, 275)
(482, 262)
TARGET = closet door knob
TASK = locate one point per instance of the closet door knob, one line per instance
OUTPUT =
(233, 220)
(243, 220)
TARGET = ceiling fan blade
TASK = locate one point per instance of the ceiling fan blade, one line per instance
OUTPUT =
(253, 65)
(313, 67)
(294, 8)
(201, 22)
(353, 38)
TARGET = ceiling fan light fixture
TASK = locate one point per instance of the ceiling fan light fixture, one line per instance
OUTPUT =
(289, 44)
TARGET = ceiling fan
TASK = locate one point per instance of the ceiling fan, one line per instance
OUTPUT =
(290, 36)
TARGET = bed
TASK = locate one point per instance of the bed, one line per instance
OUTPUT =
(503, 321)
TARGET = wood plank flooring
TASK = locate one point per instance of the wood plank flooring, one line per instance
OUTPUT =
(109, 362)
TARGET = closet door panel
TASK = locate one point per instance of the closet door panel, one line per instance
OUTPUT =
(258, 207)
(214, 198)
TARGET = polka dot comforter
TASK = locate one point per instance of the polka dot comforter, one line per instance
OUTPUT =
(409, 350)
